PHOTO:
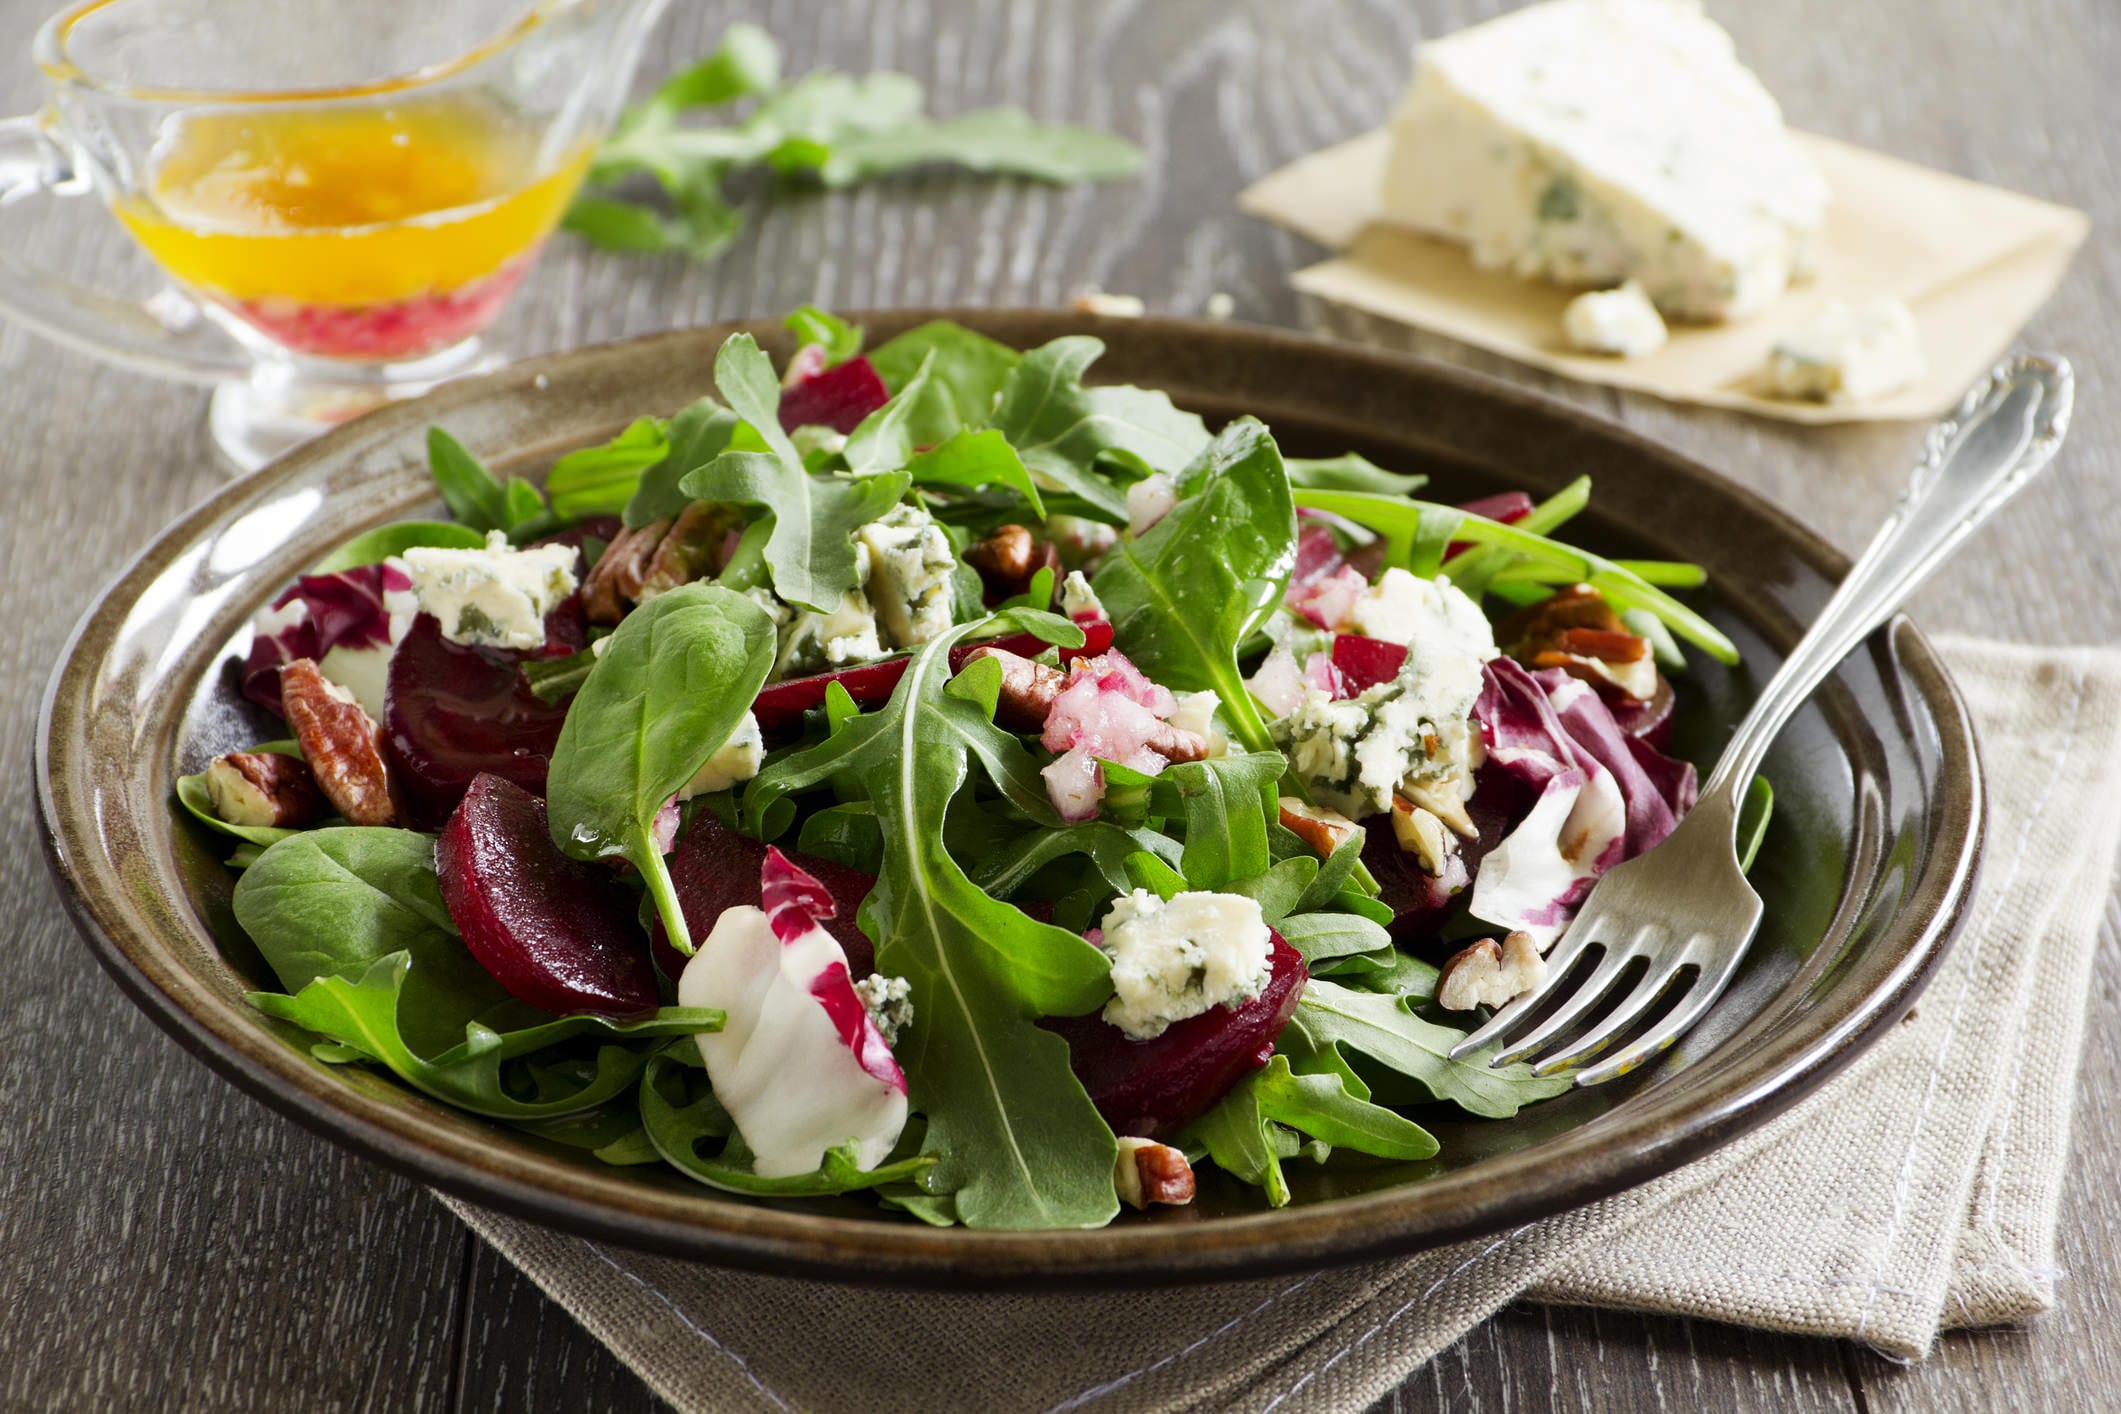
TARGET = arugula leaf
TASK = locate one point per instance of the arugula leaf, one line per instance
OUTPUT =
(812, 325)
(995, 140)
(966, 371)
(672, 683)
(474, 495)
(695, 437)
(365, 1015)
(1225, 816)
(1108, 846)
(384, 541)
(681, 1115)
(1755, 811)
(1183, 596)
(1060, 428)
(1019, 1142)
(810, 550)
(746, 62)
(975, 459)
(602, 480)
(1351, 471)
(1384, 1030)
(1326, 936)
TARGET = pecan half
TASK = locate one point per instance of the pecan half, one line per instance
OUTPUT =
(263, 788)
(693, 548)
(1028, 688)
(615, 580)
(1321, 827)
(1576, 631)
(1008, 559)
(344, 748)
(1149, 1172)
(1489, 974)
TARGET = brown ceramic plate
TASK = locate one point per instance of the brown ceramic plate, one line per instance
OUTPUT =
(1866, 869)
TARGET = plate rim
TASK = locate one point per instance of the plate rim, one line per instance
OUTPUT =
(1665, 1133)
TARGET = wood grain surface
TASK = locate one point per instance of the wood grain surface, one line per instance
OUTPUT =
(168, 1244)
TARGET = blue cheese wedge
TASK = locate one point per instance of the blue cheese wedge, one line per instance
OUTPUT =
(1848, 354)
(1619, 323)
(911, 564)
(1592, 142)
(492, 598)
(734, 762)
(1176, 958)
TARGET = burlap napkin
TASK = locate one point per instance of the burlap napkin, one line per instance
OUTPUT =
(1917, 1191)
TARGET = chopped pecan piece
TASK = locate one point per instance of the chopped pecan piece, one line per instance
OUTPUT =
(344, 748)
(615, 580)
(1028, 688)
(1420, 832)
(263, 788)
(1489, 974)
(1149, 1172)
(1008, 560)
(1576, 631)
(1321, 827)
(694, 548)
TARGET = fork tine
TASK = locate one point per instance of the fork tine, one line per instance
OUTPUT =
(1641, 998)
(1594, 987)
(1701, 995)
(1559, 962)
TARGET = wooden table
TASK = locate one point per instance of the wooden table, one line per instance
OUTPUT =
(167, 1242)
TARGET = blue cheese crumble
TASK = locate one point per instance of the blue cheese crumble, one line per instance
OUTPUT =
(1178, 958)
(492, 598)
(737, 760)
(909, 582)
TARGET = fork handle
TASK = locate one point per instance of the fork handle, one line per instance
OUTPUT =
(2006, 429)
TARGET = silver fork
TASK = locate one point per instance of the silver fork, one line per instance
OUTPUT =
(1686, 905)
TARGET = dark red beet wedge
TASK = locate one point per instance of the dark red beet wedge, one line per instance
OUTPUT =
(714, 868)
(451, 712)
(1420, 908)
(555, 932)
(838, 398)
(781, 705)
(1366, 662)
(1153, 1088)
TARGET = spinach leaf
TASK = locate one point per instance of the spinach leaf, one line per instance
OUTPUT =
(811, 325)
(966, 371)
(1186, 593)
(602, 480)
(681, 1116)
(1061, 429)
(810, 550)
(365, 1015)
(387, 540)
(672, 683)
(922, 415)
(474, 495)
(974, 459)
(1020, 1144)
(695, 437)
(1351, 471)
(1384, 1030)
(1222, 803)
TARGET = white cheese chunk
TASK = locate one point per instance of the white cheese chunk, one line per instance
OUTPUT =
(735, 761)
(1591, 142)
(1402, 608)
(812, 642)
(1621, 323)
(1172, 960)
(1848, 354)
(911, 564)
(492, 598)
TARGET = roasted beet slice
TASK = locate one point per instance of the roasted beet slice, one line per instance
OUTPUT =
(714, 868)
(1509, 507)
(1648, 722)
(452, 712)
(1365, 662)
(838, 398)
(1153, 1088)
(555, 932)
(1420, 908)
(780, 706)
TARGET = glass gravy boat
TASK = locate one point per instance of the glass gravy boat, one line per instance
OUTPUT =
(343, 195)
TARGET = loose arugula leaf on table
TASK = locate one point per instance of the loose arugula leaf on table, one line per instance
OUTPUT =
(602, 480)
(838, 129)
(474, 495)
(374, 546)
(1351, 471)
(1382, 1029)
(681, 1117)
(1019, 1143)
(812, 325)
(695, 437)
(366, 1015)
(810, 548)
(1186, 593)
(1061, 428)
(672, 683)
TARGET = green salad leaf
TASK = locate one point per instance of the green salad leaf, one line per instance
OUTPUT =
(671, 685)
(602, 480)
(695, 437)
(966, 371)
(810, 549)
(475, 496)
(384, 541)
(1061, 429)
(1381, 1028)
(1018, 1141)
(1243, 1132)
(1183, 596)
(812, 325)
(1351, 471)
(1222, 801)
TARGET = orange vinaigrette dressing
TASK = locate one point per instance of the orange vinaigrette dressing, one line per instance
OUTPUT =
(354, 232)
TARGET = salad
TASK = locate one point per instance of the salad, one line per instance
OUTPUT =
(924, 775)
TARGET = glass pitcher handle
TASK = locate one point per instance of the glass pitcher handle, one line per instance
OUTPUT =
(167, 335)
